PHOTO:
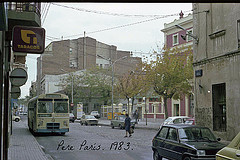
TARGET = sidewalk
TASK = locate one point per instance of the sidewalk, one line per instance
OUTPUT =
(23, 145)
(141, 124)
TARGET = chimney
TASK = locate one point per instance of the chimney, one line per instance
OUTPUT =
(181, 14)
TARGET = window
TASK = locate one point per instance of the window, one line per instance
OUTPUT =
(175, 39)
(163, 133)
(172, 135)
(189, 38)
(219, 107)
(45, 107)
(238, 32)
(178, 120)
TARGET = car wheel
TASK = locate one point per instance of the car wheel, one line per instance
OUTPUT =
(186, 158)
(156, 156)
(17, 120)
(112, 126)
(120, 126)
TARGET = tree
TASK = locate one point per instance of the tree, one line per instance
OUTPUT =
(171, 73)
(92, 83)
(132, 83)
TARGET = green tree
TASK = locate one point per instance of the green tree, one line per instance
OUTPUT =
(171, 73)
(132, 84)
(91, 84)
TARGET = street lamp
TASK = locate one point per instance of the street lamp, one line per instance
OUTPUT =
(144, 98)
(188, 33)
(112, 64)
(72, 83)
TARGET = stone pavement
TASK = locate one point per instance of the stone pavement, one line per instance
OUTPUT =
(23, 145)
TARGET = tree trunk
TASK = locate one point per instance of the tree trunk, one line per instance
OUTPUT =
(128, 106)
(132, 104)
(165, 106)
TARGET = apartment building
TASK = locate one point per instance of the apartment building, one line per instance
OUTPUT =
(79, 54)
(176, 34)
(216, 63)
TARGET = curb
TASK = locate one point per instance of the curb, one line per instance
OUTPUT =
(136, 127)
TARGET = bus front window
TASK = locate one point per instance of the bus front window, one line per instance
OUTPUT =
(60, 107)
(45, 107)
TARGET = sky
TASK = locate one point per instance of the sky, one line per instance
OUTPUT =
(132, 27)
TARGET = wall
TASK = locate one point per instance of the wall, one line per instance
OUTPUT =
(218, 57)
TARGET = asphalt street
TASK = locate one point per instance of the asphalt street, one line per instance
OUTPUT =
(98, 143)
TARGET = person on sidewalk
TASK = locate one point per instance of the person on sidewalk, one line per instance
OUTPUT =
(127, 125)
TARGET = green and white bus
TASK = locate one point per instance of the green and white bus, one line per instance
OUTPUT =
(49, 113)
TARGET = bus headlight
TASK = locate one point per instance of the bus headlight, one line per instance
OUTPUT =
(201, 152)
(65, 123)
(40, 123)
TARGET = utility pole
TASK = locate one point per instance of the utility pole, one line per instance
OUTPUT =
(84, 50)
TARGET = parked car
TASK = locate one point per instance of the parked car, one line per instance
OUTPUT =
(175, 120)
(16, 118)
(95, 114)
(231, 151)
(71, 117)
(190, 121)
(185, 142)
(88, 120)
(119, 120)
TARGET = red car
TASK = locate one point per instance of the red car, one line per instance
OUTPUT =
(190, 121)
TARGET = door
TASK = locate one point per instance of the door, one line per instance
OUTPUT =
(172, 145)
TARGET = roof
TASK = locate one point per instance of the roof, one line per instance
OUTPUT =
(179, 126)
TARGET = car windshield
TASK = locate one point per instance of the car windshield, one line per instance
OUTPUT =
(122, 118)
(89, 117)
(196, 134)
(168, 120)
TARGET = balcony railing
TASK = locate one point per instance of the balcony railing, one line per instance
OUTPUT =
(25, 7)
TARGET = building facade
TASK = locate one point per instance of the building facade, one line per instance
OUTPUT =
(11, 15)
(176, 37)
(79, 54)
(216, 65)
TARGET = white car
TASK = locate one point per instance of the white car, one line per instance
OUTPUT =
(95, 114)
(175, 120)
(16, 118)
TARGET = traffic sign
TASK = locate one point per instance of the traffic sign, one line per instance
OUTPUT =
(15, 92)
(18, 77)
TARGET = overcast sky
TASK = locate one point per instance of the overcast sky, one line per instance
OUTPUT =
(132, 27)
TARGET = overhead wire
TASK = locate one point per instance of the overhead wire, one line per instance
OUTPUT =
(106, 13)
(44, 18)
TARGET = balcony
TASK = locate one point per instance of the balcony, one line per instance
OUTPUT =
(24, 14)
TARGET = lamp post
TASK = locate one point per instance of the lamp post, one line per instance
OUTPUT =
(144, 98)
(188, 33)
(112, 64)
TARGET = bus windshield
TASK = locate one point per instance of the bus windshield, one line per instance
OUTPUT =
(60, 107)
(45, 107)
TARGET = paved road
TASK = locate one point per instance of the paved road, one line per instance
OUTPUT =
(98, 143)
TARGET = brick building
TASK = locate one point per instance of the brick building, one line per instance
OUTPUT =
(79, 54)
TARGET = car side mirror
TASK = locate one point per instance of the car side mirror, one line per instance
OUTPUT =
(218, 139)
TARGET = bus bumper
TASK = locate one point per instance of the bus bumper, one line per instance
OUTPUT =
(64, 130)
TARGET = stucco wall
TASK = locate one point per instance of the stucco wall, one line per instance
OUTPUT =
(219, 58)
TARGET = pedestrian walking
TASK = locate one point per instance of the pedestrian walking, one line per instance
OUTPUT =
(127, 125)
(136, 116)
